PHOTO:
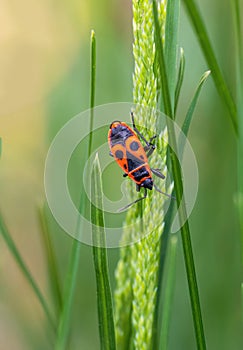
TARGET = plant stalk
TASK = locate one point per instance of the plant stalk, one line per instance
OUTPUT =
(70, 283)
(185, 230)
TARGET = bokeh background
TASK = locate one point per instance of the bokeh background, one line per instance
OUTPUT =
(44, 81)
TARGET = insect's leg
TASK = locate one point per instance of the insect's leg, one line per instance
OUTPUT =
(151, 139)
(149, 150)
(150, 144)
(125, 175)
(150, 147)
(137, 200)
(138, 132)
(110, 154)
(138, 187)
(166, 194)
(157, 173)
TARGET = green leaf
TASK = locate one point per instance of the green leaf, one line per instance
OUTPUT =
(170, 45)
(92, 85)
(162, 64)
(185, 230)
(104, 299)
(188, 118)
(206, 46)
(171, 210)
(70, 283)
(51, 260)
(179, 78)
(237, 10)
(167, 108)
(241, 298)
(20, 262)
(169, 287)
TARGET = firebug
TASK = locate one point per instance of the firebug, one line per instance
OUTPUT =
(132, 157)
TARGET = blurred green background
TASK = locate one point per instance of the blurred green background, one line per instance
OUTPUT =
(44, 77)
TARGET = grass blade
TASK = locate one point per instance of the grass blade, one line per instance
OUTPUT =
(70, 283)
(162, 65)
(51, 261)
(169, 215)
(20, 262)
(210, 57)
(168, 60)
(171, 39)
(237, 10)
(179, 78)
(188, 119)
(185, 129)
(92, 86)
(185, 230)
(241, 302)
(170, 271)
(104, 299)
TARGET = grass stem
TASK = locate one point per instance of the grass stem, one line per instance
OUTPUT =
(51, 261)
(239, 89)
(104, 298)
(70, 283)
(170, 267)
(185, 230)
(20, 262)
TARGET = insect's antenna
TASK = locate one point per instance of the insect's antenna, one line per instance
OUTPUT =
(166, 194)
(137, 200)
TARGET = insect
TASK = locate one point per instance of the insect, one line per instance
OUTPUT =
(132, 157)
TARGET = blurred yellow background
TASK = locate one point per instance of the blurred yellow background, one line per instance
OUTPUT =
(38, 43)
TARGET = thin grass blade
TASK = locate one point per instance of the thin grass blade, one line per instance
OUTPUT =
(92, 86)
(162, 64)
(189, 115)
(171, 210)
(206, 46)
(23, 267)
(241, 302)
(51, 261)
(26, 272)
(104, 298)
(170, 45)
(169, 283)
(237, 10)
(179, 78)
(188, 119)
(70, 283)
(185, 129)
(185, 230)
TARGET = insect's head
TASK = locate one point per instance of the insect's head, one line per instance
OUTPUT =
(147, 183)
(114, 124)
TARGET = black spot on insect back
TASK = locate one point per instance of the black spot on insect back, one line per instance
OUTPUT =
(119, 154)
(134, 146)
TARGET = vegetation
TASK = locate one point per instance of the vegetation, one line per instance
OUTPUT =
(165, 290)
